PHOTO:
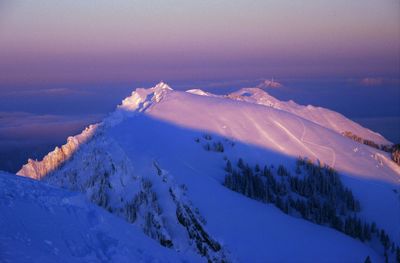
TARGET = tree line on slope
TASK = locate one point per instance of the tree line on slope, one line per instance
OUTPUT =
(314, 193)
(394, 149)
(210, 144)
(396, 153)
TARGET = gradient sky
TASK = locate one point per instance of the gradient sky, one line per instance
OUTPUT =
(63, 41)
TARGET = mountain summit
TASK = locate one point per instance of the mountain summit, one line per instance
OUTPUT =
(242, 177)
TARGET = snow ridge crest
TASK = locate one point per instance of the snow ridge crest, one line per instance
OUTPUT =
(53, 160)
(140, 100)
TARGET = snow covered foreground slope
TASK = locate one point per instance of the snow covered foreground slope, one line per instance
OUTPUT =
(143, 164)
(40, 223)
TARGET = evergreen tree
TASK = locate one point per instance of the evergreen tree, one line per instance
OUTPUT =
(267, 171)
(228, 167)
(240, 163)
(298, 171)
(373, 227)
(368, 260)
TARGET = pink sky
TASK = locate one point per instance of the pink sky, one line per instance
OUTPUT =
(63, 41)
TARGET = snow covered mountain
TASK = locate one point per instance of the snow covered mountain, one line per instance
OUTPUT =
(159, 162)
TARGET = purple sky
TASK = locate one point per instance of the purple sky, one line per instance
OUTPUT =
(98, 41)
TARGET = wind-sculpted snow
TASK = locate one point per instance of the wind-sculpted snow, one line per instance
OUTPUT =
(38, 169)
(143, 98)
(157, 162)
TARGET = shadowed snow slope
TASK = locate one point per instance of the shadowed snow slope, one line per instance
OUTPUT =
(152, 135)
(40, 223)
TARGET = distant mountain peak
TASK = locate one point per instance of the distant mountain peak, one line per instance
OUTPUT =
(270, 84)
(255, 95)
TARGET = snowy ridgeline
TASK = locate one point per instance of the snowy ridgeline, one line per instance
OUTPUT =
(143, 164)
(142, 99)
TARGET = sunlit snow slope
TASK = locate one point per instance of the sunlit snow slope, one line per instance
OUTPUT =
(324, 117)
(151, 136)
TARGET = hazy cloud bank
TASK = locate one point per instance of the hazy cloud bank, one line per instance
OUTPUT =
(369, 81)
(25, 135)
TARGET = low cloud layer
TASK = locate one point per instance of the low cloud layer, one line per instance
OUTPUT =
(371, 82)
(47, 92)
(27, 126)
(25, 135)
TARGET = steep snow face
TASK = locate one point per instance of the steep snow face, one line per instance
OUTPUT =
(37, 169)
(321, 116)
(146, 164)
(40, 223)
